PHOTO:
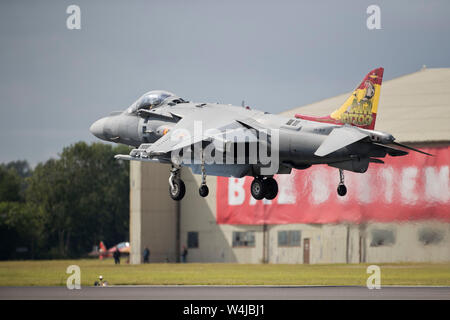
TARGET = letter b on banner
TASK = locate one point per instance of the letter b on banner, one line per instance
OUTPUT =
(236, 192)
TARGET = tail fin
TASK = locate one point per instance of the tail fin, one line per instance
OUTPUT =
(102, 247)
(360, 109)
(102, 250)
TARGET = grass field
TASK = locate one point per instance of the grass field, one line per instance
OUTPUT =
(53, 273)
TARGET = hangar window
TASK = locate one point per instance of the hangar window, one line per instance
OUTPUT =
(244, 239)
(429, 236)
(382, 237)
(192, 239)
(289, 238)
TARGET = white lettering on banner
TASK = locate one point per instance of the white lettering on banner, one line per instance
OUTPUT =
(320, 191)
(430, 184)
(236, 192)
(408, 185)
(387, 176)
(403, 189)
(364, 187)
(437, 184)
(286, 189)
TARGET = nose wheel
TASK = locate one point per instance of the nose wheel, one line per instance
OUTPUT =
(177, 189)
(264, 188)
(341, 189)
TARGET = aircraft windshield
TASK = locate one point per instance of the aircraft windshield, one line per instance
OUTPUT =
(150, 100)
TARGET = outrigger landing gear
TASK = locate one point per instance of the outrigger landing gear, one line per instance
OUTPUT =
(264, 188)
(341, 189)
(203, 190)
(177, 189)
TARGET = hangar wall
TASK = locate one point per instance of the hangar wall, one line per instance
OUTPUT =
(153, 214)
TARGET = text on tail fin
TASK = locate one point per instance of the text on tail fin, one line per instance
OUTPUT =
(360, 109)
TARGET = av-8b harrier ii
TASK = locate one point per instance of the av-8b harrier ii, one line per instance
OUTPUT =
(232, 141)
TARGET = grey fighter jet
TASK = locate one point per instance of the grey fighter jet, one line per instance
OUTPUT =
(232, 141)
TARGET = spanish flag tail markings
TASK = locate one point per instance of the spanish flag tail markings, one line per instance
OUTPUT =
(360, 109)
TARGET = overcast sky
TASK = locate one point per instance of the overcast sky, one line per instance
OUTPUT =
(55, 82)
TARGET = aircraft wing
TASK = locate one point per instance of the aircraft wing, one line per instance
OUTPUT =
(180, 136)
(339, 138)
(202, 125)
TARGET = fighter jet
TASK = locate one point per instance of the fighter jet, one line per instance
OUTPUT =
(232, 141)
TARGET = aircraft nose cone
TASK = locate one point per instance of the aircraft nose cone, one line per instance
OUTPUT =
(97, 128)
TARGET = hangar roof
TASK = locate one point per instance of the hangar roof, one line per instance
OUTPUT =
(414, 107)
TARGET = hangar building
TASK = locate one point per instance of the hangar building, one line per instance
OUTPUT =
(415, 108)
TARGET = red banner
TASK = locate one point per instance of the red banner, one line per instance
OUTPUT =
(413, 187)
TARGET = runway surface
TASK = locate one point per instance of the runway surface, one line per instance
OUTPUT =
(225, 293)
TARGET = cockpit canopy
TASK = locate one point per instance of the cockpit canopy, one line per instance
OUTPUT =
(150, 100)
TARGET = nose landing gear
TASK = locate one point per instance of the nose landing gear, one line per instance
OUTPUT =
(264, 188)
(177, 189)
(341, 189)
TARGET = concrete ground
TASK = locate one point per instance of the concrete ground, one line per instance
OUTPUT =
(226, 293)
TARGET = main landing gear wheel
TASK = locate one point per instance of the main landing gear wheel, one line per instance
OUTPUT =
(264, 188)
(258, 188)
(177, 190)
(203, 191)
(271, 188)
(341, 189)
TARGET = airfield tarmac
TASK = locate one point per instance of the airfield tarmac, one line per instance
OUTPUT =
(226, 293)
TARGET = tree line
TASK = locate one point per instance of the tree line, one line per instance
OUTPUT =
(64, 206)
